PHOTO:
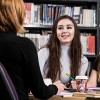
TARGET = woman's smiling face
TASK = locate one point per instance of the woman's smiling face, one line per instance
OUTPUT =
(65, 31)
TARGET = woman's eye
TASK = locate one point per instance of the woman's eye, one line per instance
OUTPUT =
(69, 27)
(60, 28)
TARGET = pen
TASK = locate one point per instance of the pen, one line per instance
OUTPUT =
(70, 77)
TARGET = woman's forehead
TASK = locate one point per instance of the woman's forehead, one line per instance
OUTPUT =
(65, 22)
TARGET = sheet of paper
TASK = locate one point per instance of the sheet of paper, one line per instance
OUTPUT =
(66, 94)
(94, 88)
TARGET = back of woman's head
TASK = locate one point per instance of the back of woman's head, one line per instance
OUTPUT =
(12, 15)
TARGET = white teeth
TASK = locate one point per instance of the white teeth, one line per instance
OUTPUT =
(65, 35)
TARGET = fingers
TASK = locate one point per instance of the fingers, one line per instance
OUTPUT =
(60, 86)
(73, 83)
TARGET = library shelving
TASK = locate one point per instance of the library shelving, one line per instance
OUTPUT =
(88, 12)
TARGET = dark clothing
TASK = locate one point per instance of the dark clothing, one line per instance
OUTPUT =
(19, 56)
(96, 63)
(95, 67)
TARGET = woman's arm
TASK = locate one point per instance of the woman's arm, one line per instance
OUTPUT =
(34, 78)
(84, 65)
(92, 82)
(43, 57)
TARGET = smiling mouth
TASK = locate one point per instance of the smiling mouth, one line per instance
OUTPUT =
(65, 36)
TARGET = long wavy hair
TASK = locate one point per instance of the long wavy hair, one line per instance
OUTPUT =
(54, 65)
(12, 15)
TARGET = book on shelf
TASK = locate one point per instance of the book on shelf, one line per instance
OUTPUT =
(88, 43)
(38, 39)
(45, 14)
(91, 44)
(76, 14)
(29, 13)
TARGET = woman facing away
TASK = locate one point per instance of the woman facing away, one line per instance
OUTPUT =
(94, 80)
(19, 55)
(63, 53)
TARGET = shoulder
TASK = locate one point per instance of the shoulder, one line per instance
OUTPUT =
(26, 42)
(17, 42)
(84, 59)
(97, 60)
(25, 45)
(43, 50)
(43, 55)
(96, 63)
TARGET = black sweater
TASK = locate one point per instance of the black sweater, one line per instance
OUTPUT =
(19, 56)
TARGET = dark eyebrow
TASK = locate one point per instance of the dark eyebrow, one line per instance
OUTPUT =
(60, 25)
(69, 25)
(66, 25)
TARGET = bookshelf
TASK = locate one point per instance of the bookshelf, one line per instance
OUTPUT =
(94, 28)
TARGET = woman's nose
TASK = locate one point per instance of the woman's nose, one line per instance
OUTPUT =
(65, 30)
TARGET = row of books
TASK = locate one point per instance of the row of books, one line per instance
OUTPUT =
(38, 39)
(88, 43)
(87, 40)
(45, 14)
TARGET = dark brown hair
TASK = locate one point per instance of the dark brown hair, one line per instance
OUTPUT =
(53, 45)
(12, 15)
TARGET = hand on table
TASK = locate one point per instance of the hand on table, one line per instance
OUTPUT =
(60, 86)
(73, 83)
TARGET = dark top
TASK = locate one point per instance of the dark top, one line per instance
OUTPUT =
(96, 62)
(95, 67)
(19, 56)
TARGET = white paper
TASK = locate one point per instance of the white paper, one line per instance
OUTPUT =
(94, 88)
(66, 94)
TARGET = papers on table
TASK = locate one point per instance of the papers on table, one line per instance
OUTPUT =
(94, 88)
(66, 94)
(95, 95)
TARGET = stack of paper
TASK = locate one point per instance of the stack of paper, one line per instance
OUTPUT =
(80, 94)
(94, 89)
(95, 95)
(92, 94)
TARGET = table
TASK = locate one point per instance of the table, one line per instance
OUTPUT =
(65, 98)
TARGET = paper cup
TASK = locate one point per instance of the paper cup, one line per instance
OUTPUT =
(81, 83)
